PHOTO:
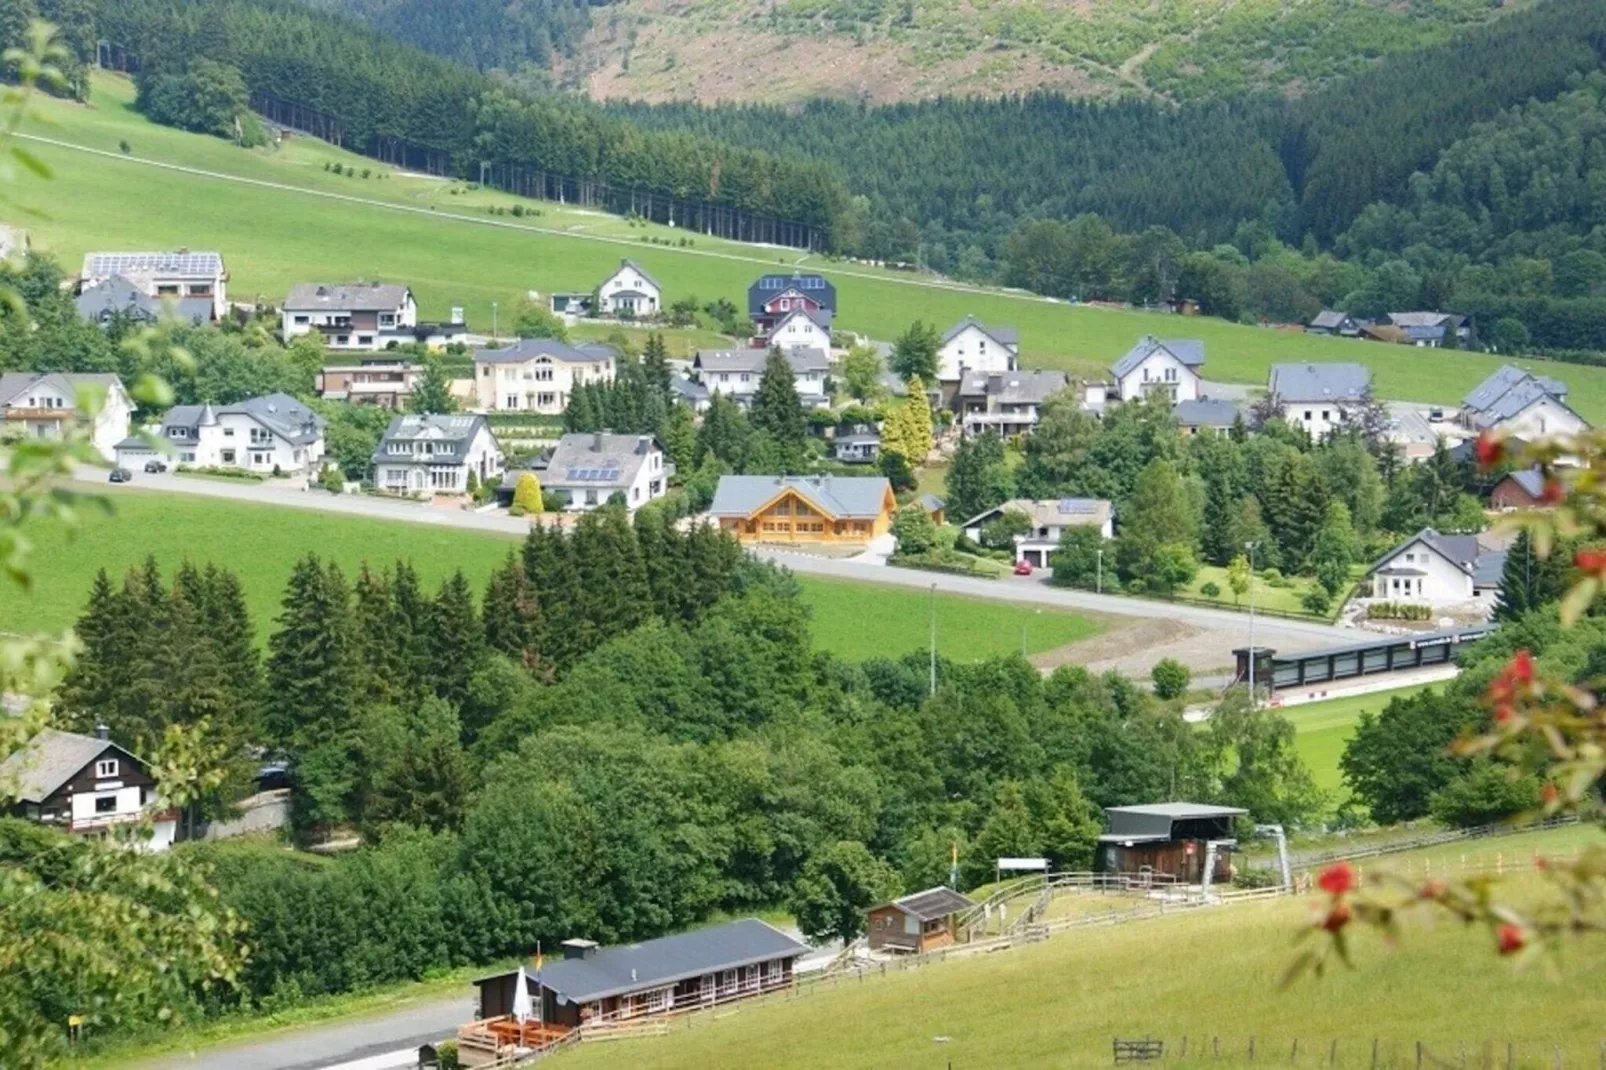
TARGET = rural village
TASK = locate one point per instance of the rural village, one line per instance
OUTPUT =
(512, 616)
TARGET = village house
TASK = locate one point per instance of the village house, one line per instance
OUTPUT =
(1519, 490)
(1439, 571)
(804, 509)
(1182, 840)
(40, 404)
(972, 346)
(1320, 398)
(386, 383)
(1171, 367)
(917, 923)
(1205, 414)
(691, 392)
(274, 433)
(861, 445)
(86, 785)
(1338, 323)
(163, 275)
(935, 508)
(1514, 403)
(538, 374)
(800, 330)
(588, 468)
(774, 297)
(1430, 328)
(1049, 518)
(1010, 403)
(630, 293)
(103, 303)
(736, 373)
(357, 315)
(435, 454)
(593, 986)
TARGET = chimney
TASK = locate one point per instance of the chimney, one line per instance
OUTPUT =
(596, 443)
(579, 949)
(103, 732)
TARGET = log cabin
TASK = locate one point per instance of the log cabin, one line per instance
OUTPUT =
(917, 923)
(1169, 838)
(804, 509)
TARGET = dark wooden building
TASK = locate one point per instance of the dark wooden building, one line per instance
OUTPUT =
(1169, 838)
(592, 983)
(84, 784)
(917, 923)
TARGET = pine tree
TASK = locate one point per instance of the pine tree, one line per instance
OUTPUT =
(89, 692)
(433, 393)
(314, 664)
(410, 622)
(1519, 580)
(655, 366)
(230, 629)
(580, 414)
(776, 410)
(669, 574)
(549, 567)
(616, 596)
(385, 674)
(512, 614)
(724, 433)
(456, 641)
(680, 437)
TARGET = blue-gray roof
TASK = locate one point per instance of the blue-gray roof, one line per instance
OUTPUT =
(931, 503)
(458, 429)
(1206, 412)
(1320, 382)
(817, 287)
(531, 348)
(598, 459)
(1004, 336)
(1190, 351)
(1462, 551)
(1488, 570)
(279, 413)
(1507, 392)
(115, 295)
(612, 971)
(1531, 480)
(836, 496)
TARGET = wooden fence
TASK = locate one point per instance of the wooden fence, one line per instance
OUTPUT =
(1427, 839)
(1378, 1053)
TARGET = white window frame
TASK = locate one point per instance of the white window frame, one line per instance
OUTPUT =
(106, 768)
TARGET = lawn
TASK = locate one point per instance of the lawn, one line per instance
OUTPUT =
(452, 252)
(1325, 727)
(262, 542)
(1203, 975)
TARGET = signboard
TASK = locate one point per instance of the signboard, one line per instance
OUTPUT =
(1023, 863)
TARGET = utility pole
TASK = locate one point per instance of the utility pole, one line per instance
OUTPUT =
(1250, 547)
(493, 321)
(1099, 581)
(933, 638)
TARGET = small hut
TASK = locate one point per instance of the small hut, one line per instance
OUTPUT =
(1173, 839)
(917, 923)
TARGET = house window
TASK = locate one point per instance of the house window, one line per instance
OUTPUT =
(188, 456)
(591, 497)
(511, 401)
(228, 432)
(227, 457)
(546, 399)
(342, 339)
(1307, 416)
(365, 339)
(1324, 414)
(105, 804)
(105, 768)
(262, 459)
(301, 321)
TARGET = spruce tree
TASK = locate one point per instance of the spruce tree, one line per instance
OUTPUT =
(663, 551)
(549, 567)
(512, 615)
(616, 596)
(655, 366)
(724, 433)
(456, 642)
(410, 621)
(385, 672)
(229, 626)
(314, 664)
(1519, 580)
(680, 437)
(90, 689)
(777, 411)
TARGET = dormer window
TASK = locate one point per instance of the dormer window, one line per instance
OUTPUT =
(105, 768)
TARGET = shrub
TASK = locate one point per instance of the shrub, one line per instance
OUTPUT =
(1171, 678)
(124, 147)
(1317, 600)
(553, 502)
(331, 479)
(1398, 611)
(527, 495)
(914, 530)
(1210, 590)
(1261, 877)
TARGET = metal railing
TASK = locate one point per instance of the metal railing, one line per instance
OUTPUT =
(1432, 839)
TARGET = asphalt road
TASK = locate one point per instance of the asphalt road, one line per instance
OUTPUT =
(1269, 631)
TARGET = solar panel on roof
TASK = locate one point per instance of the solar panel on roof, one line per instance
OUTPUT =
(1076, 506)
(813, 282)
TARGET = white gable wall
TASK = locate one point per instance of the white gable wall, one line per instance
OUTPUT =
(626, 279)
(1442, 582)
(1545, 417)
(798, 330)
(1160, 371)
(972, 350)
(1319, 418)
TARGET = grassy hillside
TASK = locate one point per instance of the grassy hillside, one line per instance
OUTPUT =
(1325, 727)
(262, 542)
(438, 237)
(1204, 975)
(883, 50)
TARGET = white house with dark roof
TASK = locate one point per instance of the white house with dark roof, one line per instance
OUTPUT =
(802, 329)
(972, 346)
(434, 454)
(630, 292)
(1205, 414)
(39, 404)
(1328, 321)
(1320, 397)
(272, 433)
(1010, 403)
(1439, 571)
(736, 372)
(1172, 367)
(1050, 519)
(107, 300)
(178, 274)
(350, 315)
(1518, 404)
(588, 468)
(86, 785)
(538, 374)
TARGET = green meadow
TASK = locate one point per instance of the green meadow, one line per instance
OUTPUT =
(261, 543)
(295, 221)
(1323, 728)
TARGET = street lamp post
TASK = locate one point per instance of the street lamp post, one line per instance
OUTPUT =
(933, 601)
(1250, 547)
(493, 322)
(1098, 583)
(1024, 622)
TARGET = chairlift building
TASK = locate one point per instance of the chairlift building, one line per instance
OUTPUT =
(1174, 839)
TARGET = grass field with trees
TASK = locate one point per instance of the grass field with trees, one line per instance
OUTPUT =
(454, 251)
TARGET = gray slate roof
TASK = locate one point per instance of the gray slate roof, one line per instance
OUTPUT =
(1206, 412)
(118, 294)
(1051, 512)
(1320, 382)
(1462, 551)
(1489, 569)
(612, 971)
(687, 389)
(1013, 388)
(1190, 351)
(598, 460)
(626, 262)
(531, 348)
(279, 413)
(1423, 319)
(1507, 392)
(836, 496)
(933, 903)
(822, 317)
(931, 503)
(457, 428)
(752, 360)
(1004, 336)
(178, 264)
(344, 296)
(1153, 822)
(1329, 319)
(48, 760)
(1531, 480)
(14, 384)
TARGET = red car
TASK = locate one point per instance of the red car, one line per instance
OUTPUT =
(1023, 568)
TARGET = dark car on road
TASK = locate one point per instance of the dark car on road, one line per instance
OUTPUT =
(120, 475)
(156, 465)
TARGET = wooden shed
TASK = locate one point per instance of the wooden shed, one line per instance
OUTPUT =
(1170, 838)
(917, 923)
